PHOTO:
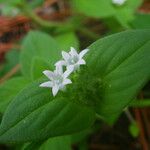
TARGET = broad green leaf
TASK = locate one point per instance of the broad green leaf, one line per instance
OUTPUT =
(79, 137)
(120, 63)
(57, 143)
(67, 40)
(9, 89)
(105, 8)
(124, 16)
(14, 2)
(12, 57)
(31, 146)
(94, 8)
(38, 65)
(37, 115)
(133, 4)
(32, 4)
(125, 13)
(141, 21)
(38, 44)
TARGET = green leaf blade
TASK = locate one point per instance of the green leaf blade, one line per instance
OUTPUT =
(37, 116)
(94, 8)
(121, 61)
(9, 89)
(57, 143)
(68, 40)
(38, 44)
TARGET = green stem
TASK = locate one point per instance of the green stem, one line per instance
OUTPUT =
(140, 103)
(50, 25)
(43, 23)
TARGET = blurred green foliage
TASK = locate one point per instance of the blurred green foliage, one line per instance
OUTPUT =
(116, 69)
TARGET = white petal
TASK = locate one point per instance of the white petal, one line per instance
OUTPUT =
(46, 84)
(69, 70)
(65, 55)
(55, 90)
(59, 69)
(119, 2)
(73, 52)
(49, 74)
(81, 62)
(61, 86)
(60, 63)
(82, 53)
(67, 81)
(76, 66)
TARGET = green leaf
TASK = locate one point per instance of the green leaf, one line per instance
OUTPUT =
(94, 8)
(105, 8)
(9, 89)
(37, 66)
(57, 143)
(120, 64)
(124, 16)
(67, 40)
(36, 3)
(79, 137)
(31, 146)
(134, 130)
(38, 44)
(14, 2)
(125, 13)
(37, 115)
(133, 5)
(141, 21)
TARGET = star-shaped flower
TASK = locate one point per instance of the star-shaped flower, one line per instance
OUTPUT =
(58, 79)
(73, 59)
(118, 2)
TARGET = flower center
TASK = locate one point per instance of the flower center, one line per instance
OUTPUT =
(58, 79)
(74, 60)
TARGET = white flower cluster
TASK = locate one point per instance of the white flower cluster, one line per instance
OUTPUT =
(59, 78)
(118, 2)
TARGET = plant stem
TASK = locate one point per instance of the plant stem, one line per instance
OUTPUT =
(50, 25)
(140, 103)
(129, 116)
(43, 23)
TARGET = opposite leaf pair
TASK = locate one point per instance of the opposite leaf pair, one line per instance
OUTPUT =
(58, 78)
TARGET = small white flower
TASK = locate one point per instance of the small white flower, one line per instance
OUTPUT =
(58, 79)
(118, 2)
(73, 60)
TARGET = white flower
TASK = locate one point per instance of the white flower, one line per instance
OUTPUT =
(58, 79)
(73, 60)
(118, 2)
